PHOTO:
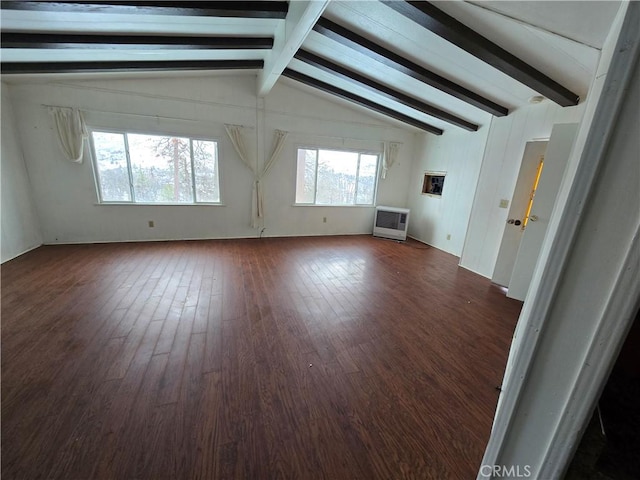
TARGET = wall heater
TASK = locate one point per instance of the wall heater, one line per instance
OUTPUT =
(391, 222)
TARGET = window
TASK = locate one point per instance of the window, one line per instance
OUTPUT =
(334, 177)
(433, 183)
(139, 168)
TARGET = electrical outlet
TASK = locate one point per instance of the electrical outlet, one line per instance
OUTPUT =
(151, 224)
(324, 219)
(448, 236)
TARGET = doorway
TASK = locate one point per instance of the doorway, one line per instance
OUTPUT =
(539, 180)
(533, 155)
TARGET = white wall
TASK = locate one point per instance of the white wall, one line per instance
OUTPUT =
(65, 194)
(563, 344)
(20, 230)
(320, 123)
(459, 154)
(611, 219)
(500, 166)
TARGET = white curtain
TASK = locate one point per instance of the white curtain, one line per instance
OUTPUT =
(237, 139)
(72, 131)
(239, 145)
(257, 200)
(278, 143)
(389, 156)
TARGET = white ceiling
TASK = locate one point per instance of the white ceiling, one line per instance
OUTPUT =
(39, 21)
(561, 39)
(584, 22)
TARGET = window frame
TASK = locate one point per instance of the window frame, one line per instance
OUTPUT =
(360, 152)
(124, 133)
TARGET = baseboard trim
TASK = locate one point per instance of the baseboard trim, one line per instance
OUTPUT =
(432, 245)
(474, 271)
(22, 253)
(97, 242)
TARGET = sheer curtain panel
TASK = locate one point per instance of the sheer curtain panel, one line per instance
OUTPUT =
(279, 138)
(257, 195)
(389, 156)
(72, 131)
(237, 140)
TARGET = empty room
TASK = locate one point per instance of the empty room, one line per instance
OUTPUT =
(316, 239)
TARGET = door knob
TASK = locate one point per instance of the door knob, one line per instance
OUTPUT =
(533, 218)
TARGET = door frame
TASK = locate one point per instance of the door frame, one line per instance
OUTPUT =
(594, 135)
(559, 147)
(522, 189)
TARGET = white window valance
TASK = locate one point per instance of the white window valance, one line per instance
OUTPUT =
(389, 156)
(71, 130)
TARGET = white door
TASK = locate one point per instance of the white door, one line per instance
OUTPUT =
(555, 161)
(533, 155)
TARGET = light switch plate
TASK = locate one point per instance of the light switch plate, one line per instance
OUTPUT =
(504, 203)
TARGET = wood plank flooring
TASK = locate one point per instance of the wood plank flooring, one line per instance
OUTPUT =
(301, 358)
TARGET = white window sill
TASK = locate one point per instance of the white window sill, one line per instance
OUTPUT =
(132, 204)
(331, 206)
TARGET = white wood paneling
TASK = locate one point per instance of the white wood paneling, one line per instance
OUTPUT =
(20, 225)
(558, 17)
(584, 293)
(301, 18)
(44, 55)
(359, 62)
(90, 23)
(393, 31)
(433, 219)
(564, 60)
(65, 195)
(364, 92)
(505, 146)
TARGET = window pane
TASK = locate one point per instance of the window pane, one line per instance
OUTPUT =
(205, 164)
(161, 168)
(367, 178)
(306, 175)
(111, 162)
(336, 177)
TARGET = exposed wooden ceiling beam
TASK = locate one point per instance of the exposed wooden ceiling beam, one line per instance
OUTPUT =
(300, 20)
(128, 66)
(364, 102)
(447, 27)
(254, 9)
(372, 50)
(56, 40)
(357, 79)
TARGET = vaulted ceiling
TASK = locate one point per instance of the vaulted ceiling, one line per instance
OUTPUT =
(432, 65)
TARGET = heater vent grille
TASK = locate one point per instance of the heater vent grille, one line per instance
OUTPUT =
(391, 222)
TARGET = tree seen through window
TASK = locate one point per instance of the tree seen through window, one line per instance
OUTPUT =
(334, 177)
(156, 168)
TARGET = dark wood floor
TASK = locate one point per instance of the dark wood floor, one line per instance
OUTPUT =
(328, 358)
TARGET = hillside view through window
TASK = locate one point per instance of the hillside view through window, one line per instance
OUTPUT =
(140, 168)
